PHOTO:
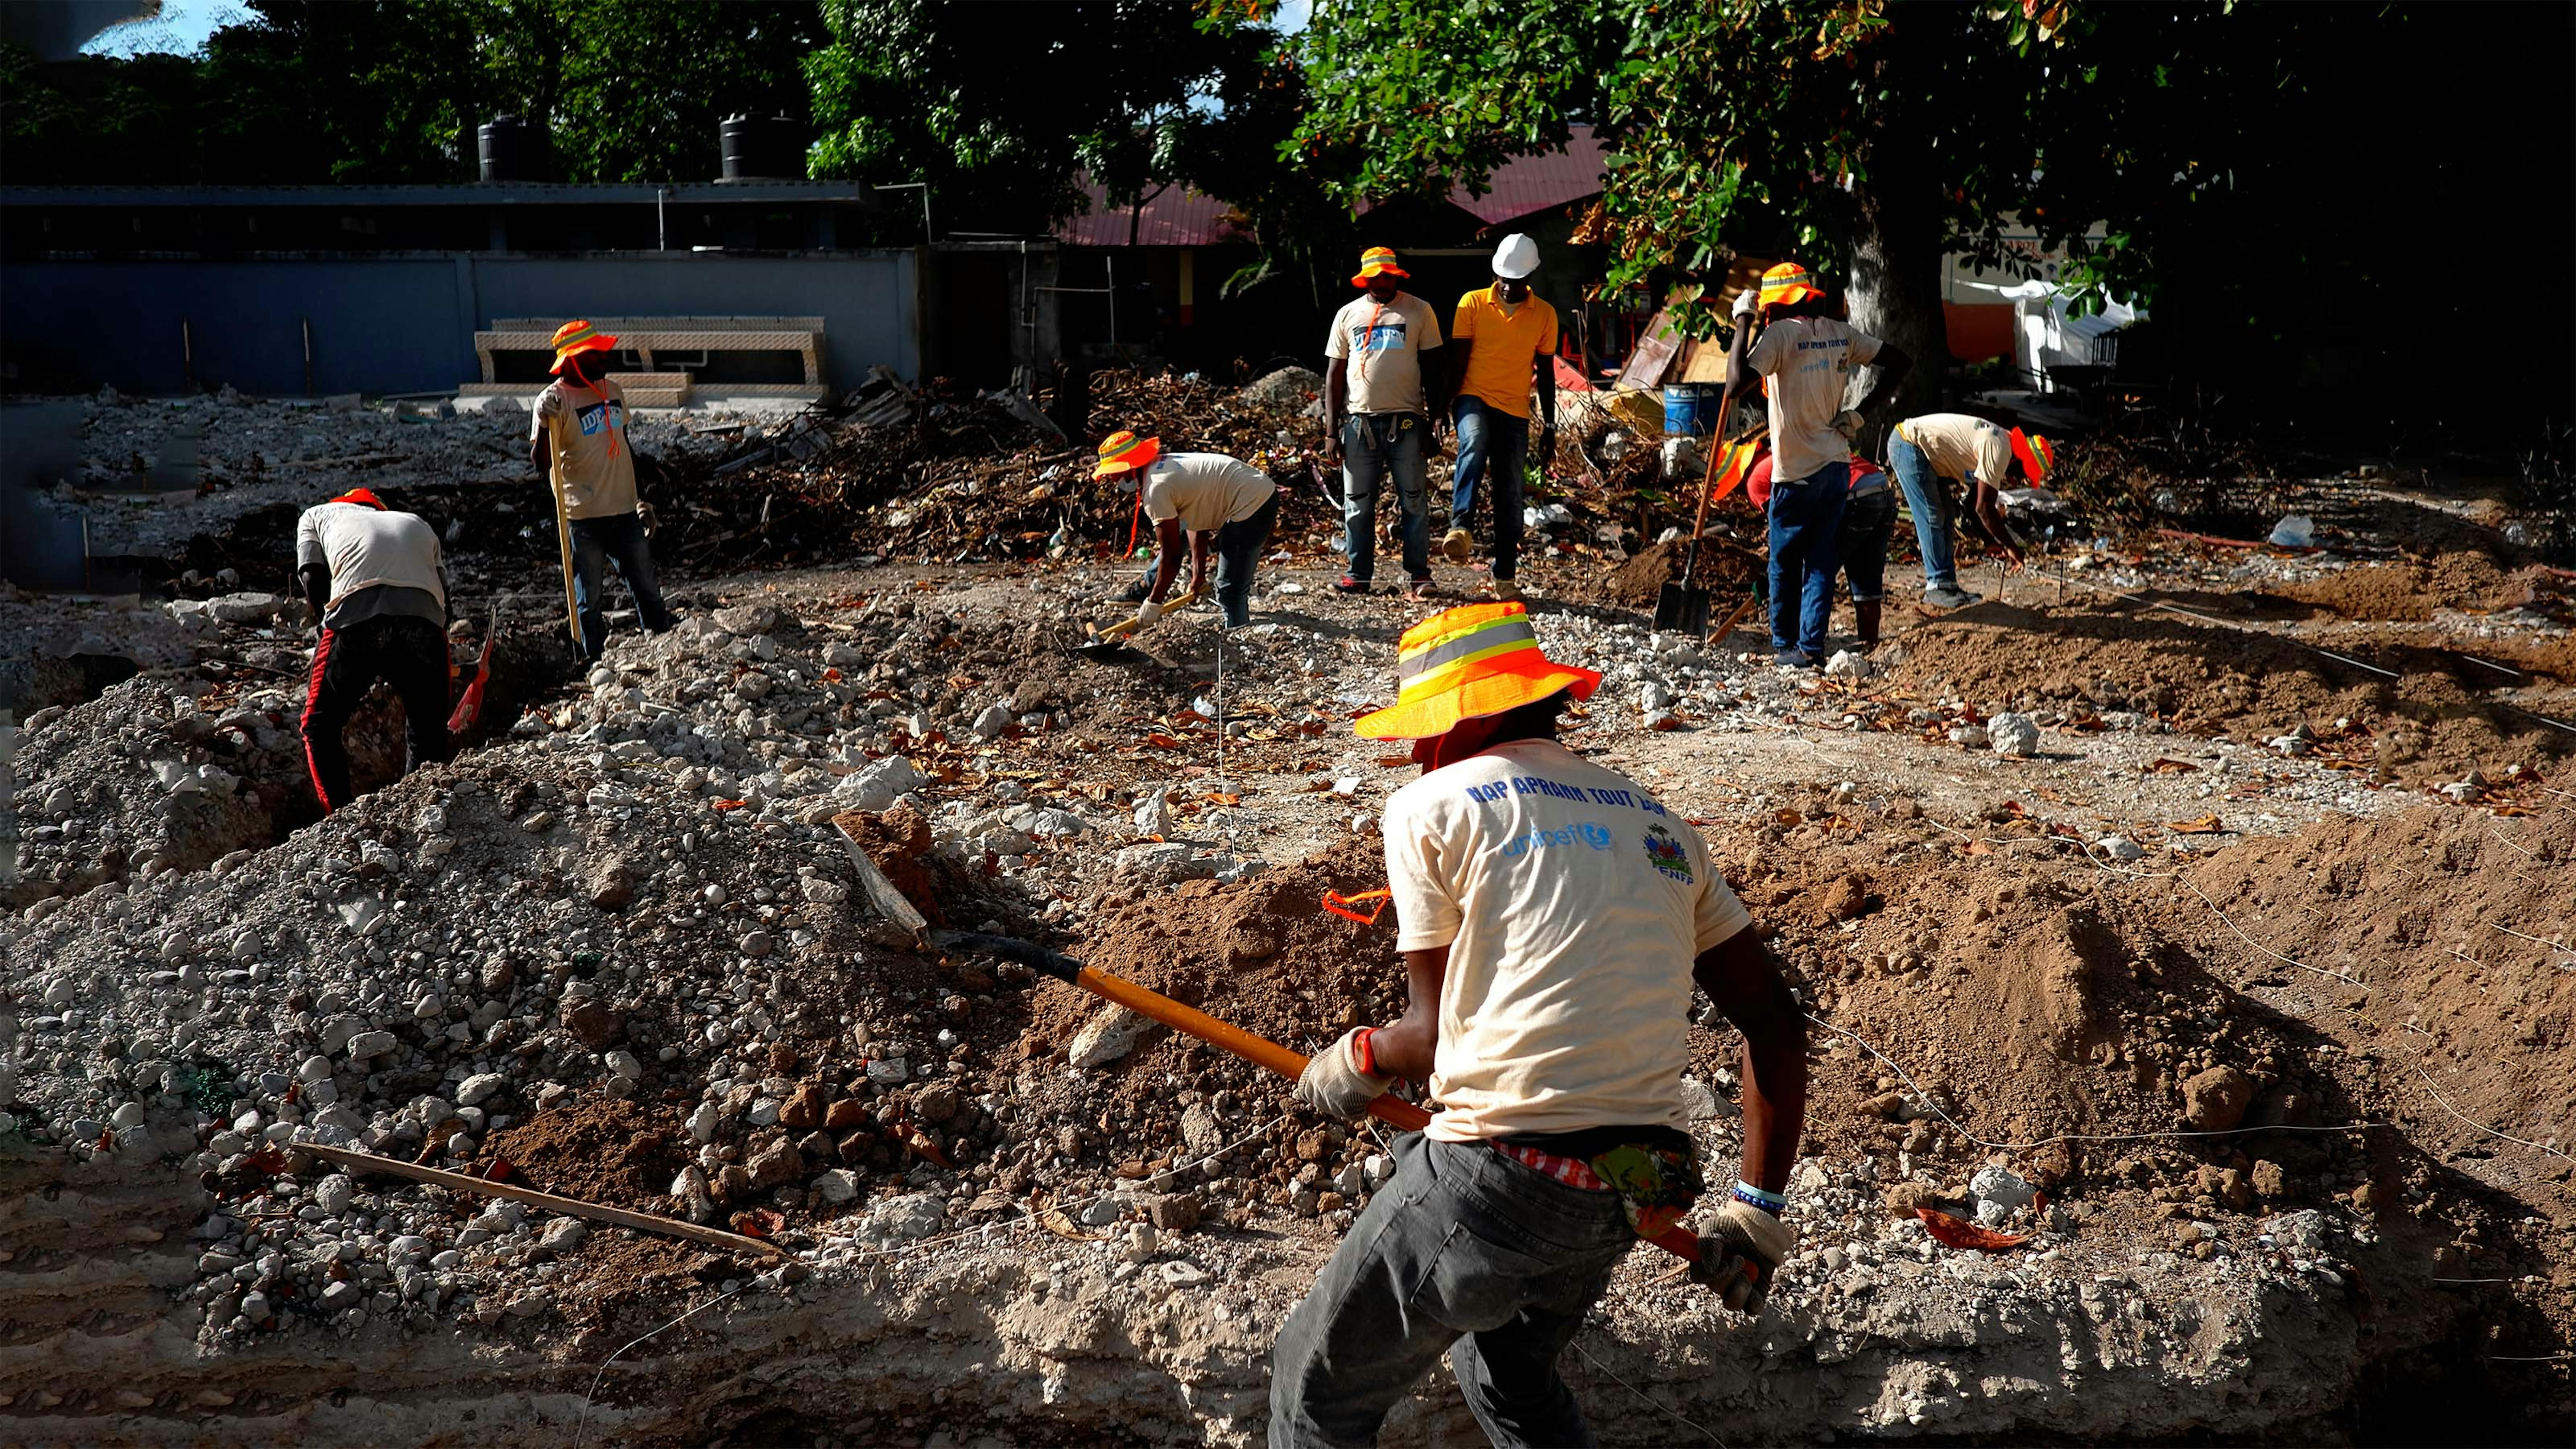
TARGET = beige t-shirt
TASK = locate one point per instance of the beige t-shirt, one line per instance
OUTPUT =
(1809, 361)
(366, 548)
(1385, 343)
(1204, 490)
(1962, 447)
(597, 481)
(1573, 906)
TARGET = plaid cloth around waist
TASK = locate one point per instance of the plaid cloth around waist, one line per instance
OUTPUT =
(1572, 1171)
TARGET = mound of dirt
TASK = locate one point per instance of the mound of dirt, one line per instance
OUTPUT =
(2411, 592)
(2460, 930)
(2433, 725)
(1724, 567)
(600, 1149)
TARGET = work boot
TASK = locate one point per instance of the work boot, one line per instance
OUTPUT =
(1351, 584)
(1424, 588)
(1868, 615)
(1458, 546)
(1949, 596)
(1507, 590)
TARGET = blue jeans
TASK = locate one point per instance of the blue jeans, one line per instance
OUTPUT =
(1928, 498)
(1464, 1252)
(1375, 446)
(1238, 548)
(1491, 443)
(1806, 549)
(1869, 520)
(594, 542)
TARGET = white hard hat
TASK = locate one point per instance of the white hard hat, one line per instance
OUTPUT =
(1516, 258)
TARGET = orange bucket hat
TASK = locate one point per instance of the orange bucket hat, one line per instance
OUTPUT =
(2037, 457)
(575, 337)
(1123, 452)
(1788, 282)
(366, 496)
(1468, 663)
(1376, 260)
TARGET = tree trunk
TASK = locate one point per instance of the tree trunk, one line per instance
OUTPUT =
(1895, 284)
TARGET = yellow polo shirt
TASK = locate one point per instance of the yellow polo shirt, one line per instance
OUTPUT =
(1498, 368)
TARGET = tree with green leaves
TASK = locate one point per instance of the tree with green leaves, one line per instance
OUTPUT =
(391, 91)
(1867, 137)
(1002, 108)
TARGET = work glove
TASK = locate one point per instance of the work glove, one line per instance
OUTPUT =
(1747, 303)
(1334, 1084)
(1741, 1253)
(1849, 423)
(1147, 612)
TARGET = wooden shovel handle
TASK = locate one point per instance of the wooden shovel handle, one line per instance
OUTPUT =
(1260, 1051)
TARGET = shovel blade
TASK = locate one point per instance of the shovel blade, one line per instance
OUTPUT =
(1682, 608)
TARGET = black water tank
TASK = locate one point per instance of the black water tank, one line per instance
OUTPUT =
(761, 148)
(506, 148)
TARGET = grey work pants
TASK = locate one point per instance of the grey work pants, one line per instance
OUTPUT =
(1464, 1252)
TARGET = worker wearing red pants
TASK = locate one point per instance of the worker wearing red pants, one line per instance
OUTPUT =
(376, 585)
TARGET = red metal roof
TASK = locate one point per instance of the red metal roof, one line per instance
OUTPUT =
(1527, 184)
(1179, 217)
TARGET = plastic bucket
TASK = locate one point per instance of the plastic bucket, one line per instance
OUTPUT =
(1690, 409)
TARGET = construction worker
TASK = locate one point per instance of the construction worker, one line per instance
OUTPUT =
(579, 426)
(1553, 918)
(1869, 521)
(1806, 356)
(1377, 418)
(1506, 341)
(1209, 497)
(378, 591)
(1982, 455)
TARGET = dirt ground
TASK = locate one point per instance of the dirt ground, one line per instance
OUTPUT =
(2258, 974)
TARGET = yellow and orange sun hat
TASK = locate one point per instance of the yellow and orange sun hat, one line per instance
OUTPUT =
(1468, 663)
(1788, 282)
(365, 496)
(1376, 260)
(2035, 452)
(579, 336)
(1124, 452)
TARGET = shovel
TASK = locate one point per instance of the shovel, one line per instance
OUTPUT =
(1394, 1111)
(469, 705)
(1682, 606)
(1106, 643)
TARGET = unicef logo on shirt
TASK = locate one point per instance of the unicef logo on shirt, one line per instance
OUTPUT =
(1596, 836)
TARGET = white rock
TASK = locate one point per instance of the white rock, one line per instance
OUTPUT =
(2001, 1186)
(480, 1088)
(1971, 735)
(2119, 847)
(332, 1193)
(837, 1186)
(913, 1215)
(371, 1044)
(703, 1122)
(1847, 664)
(2013, 734)
(994, 719)
(1654, 695)
(624, 1064)
(1152, 816)
(1111, 1033)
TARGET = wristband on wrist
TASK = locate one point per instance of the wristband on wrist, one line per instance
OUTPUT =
(1361, 1051)
(1769, 1202)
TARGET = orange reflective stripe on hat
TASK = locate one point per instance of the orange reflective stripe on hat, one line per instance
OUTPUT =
(1469, 663)
(1376, 260)
(1123, 450)
(1788, 282)
(2036, 454)
(578, 336)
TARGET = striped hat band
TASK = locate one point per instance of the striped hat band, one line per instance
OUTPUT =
(1432, 665)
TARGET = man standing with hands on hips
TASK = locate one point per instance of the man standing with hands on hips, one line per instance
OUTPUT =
(1806, 356)
(1553, 918)
(1377, 412)
(1506, 341)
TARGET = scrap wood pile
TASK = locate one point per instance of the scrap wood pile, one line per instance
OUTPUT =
(943, 473)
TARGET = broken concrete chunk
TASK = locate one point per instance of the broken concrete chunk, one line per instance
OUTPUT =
(1111, 1033)
(2016, 735)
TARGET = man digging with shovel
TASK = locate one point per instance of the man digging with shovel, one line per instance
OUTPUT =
(1553, 919)
(1207, 496)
